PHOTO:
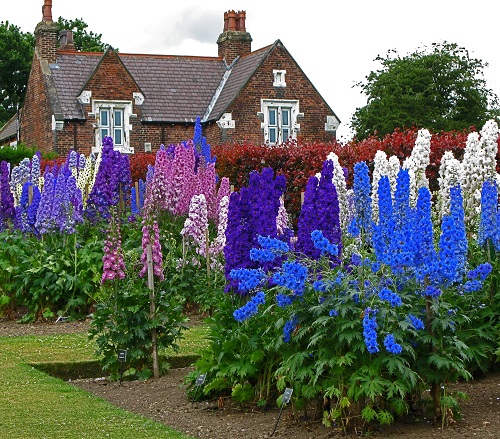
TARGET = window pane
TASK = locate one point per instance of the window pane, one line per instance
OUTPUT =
(118, 118)
(104, 118)
(104, 133)
(118, 137)
(285, 117)
(272, 116)
(272, 135)
(286, 134)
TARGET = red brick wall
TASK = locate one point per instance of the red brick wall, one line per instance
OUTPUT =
(36, 119)
(245, 108)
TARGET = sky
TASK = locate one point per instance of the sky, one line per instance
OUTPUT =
(334, 43)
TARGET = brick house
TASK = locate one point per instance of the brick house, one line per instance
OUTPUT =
(73, 98)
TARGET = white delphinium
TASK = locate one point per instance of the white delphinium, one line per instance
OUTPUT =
(393, 167)
(450, 175)
(479, 164)
(196, 224)
(282, 220)
(380, 169)
(217, 246)
(86, 177)
(341, 187)
(417, 164)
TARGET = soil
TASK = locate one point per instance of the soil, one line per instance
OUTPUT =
(165, 400)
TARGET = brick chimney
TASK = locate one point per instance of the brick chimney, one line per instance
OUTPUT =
(66, 41)
(46, 34)
(234, 40)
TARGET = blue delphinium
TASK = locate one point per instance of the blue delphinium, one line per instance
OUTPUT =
(271, 249)
(370, 331)
(416, 322)
(489, 227)
(382, 232)
(323, 244)
(390, 296)
(481, 272)
(250, 308)
(44, 221)
(432, 291)
(363, 202)
(292, 276)
(248, 278)
(289, 328)
(391, 345)
(133, 201)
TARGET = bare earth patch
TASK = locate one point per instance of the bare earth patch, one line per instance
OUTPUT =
(165, 401)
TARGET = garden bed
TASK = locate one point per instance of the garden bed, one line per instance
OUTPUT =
(165, 400)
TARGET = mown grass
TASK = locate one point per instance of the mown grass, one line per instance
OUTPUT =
(36, 405)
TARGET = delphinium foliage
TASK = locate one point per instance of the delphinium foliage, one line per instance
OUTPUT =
(360, 341)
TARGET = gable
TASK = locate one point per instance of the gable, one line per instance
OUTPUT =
(110, 79)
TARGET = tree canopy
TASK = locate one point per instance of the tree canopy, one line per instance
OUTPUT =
(16, 53)
(439, 88)
(16, 56)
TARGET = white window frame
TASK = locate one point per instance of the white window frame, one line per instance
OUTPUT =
(279, 78)
(275, 129)
(123, 107)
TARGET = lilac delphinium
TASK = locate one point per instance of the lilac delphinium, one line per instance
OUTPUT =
(196, 224)
(44, 221)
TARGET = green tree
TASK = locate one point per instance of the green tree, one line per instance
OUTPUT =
(16, 56)
(85, 41)
(438, 88)
(16, 53)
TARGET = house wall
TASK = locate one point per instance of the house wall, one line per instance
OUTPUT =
(245, 108)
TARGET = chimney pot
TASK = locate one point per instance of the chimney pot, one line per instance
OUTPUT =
(241, 21)
(47, 11)
(231, 22)
(225, 21)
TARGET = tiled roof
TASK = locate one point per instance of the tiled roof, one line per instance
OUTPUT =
(176, 89)
(70, 73)
(9, 130)
(241, 72)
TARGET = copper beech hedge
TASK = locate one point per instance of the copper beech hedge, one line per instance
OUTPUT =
(298, 161)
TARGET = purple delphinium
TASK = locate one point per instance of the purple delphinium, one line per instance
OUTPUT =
(252, 212)
(320, 211)
(44, 221)
(104, 193)
(7, 210)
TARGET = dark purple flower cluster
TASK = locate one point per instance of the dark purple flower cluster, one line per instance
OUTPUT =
(7, 210)
(252, 212)
(320, 211)
(105, 192)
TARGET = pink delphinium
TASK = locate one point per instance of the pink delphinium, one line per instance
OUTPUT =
(155, 250)
(114, 266)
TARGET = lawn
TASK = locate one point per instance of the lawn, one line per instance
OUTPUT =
(36, 405)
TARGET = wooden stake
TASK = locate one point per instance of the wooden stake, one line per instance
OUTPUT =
(152, 310)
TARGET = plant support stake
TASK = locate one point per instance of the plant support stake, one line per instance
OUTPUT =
(152, 310)
(284, 401)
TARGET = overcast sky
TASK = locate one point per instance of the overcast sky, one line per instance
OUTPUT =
(333, 42)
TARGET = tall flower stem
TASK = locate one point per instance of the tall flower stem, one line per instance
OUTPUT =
(435, 387)
(152, 311)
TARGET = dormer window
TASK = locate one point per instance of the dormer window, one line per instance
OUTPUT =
(279, 78)
(112, 119)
